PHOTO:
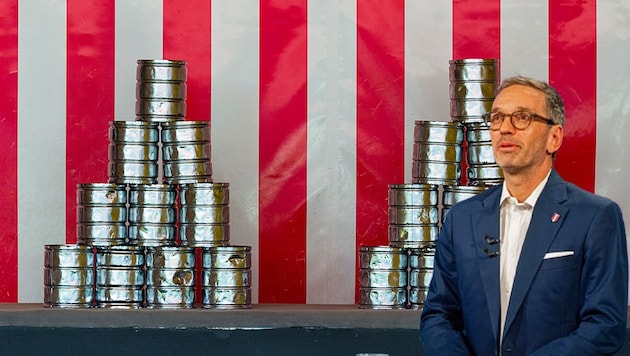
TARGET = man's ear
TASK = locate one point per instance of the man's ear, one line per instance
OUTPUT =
(554, 141)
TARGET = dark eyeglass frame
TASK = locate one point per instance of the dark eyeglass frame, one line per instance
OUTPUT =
(494, 119)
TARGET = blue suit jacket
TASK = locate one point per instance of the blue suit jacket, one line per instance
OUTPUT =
(571, 305)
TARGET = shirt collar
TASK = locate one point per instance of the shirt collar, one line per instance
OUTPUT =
(532, 198)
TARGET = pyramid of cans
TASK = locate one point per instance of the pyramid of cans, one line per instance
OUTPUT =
(397, 276)
(160, 222)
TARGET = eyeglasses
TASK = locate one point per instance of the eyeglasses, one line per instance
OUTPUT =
(519, 119)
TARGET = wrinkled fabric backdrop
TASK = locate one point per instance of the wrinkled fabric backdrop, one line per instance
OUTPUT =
(312, 108)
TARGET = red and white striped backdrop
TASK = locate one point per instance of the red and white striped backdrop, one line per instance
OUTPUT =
(312, 107)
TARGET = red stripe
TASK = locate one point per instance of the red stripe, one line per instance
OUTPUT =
(187, 37)
(476, 29)
(8, 158)
(573, 71)
(476, 34)
(282, 161)
(380, 114)
(90, 97)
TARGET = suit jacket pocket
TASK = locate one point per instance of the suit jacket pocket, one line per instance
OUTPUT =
(559, 262)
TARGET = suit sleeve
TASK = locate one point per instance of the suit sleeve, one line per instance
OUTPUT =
(604, 283)
(441, 322)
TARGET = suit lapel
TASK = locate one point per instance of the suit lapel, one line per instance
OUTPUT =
(547, 218)
(486, 224)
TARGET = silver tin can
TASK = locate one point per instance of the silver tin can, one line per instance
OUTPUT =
(68, 276)
(226, 277)
(170, 277)
(120, 277)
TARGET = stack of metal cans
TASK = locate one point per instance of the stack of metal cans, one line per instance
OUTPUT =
(160, 203)
(473, 86)
(417, 210)
(226, 277)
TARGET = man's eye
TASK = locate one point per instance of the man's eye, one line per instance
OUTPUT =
(521, 116)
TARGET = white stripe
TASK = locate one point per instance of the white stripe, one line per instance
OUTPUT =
(41, 139)
(234, 103)
(428, 48)
(612, 159)
(138, 36)
(525, 38)
(331, 152)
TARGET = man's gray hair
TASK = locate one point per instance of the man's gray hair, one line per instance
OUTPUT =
(555, 104)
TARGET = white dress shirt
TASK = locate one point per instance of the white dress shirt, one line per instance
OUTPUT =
(515, 219)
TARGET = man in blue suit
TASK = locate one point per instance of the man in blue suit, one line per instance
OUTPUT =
(536, 265)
